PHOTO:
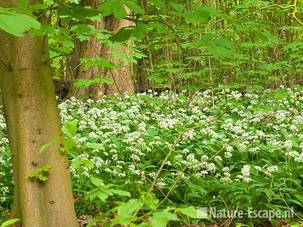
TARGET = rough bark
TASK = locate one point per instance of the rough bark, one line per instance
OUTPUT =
(32, 119)
(121, 76)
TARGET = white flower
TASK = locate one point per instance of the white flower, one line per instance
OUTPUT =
(271, 169)
(229, 148)
(258, 168)
(204, 158)
(228, 155)
(288, 144)
(217, 158)
(245, 171)
(211, 167)
(189, 134)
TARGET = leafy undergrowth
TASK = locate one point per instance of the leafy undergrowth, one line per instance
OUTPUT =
(157, 159)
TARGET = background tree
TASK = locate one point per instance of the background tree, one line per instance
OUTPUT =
(117, 72)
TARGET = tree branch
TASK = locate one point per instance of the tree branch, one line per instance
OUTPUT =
(294, 12)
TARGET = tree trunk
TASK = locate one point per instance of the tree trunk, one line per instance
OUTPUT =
(32, 119)
(120, 76)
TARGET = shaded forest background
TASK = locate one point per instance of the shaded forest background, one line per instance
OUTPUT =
(177, 45)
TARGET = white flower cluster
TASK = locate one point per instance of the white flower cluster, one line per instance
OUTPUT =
(225, 136)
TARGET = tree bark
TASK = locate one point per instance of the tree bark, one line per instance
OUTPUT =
(121, 76)
(32, 119)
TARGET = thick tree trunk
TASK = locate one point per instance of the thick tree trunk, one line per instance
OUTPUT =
(33, 120)
(121, 76)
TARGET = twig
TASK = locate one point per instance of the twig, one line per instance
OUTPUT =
(294, 12)
(52, 58)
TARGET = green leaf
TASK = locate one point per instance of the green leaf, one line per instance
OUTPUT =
(158, 3)
(83, 83)
(71, 127)
(221, 48)
(119, 12)
(44, 147)
(77, 163)
(161, 219)
(193, 212)
(97, 181)
(40, 173)
(179, 8)
(10, 222)
(140, 30)
(122, 35)
(103, 80)
(129, 207)
(23, 5)
(77, 12)
(113, 7)
(120, 192)
(96, 146)
(102, 196)
(125, 212)
(96, 62)
(16, 24)
(158, 26)
(134, 7)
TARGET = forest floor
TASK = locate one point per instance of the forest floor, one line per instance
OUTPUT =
(186, 160)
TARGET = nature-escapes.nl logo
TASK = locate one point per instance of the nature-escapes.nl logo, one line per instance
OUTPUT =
(213, 212)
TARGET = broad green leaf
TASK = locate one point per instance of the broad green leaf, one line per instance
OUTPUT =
(77, 12)
(178, 7)
(83, 83)
(129, 207)
(113, 7)
(103, 80)
(120, 192)
(96, 146)
(123, 34)
(44, 147)
(10, 222)
(96, 62)
(97, 181)
(71, 127)
(193, 212)
(102, 196)
(221, 48)
(158, 26)
(161, 219)
(16, 24)
(23, 5)
(134, 7)
(125, 212)
(140, 30)
(158, 3)
(77, 163)
(119, 12)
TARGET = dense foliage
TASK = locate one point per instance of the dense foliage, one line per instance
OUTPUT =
(203, 132)
(236, 43)
(177, 44)
(166, 152)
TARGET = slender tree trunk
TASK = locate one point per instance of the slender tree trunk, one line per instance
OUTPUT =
(32, 119)
(120, 76)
